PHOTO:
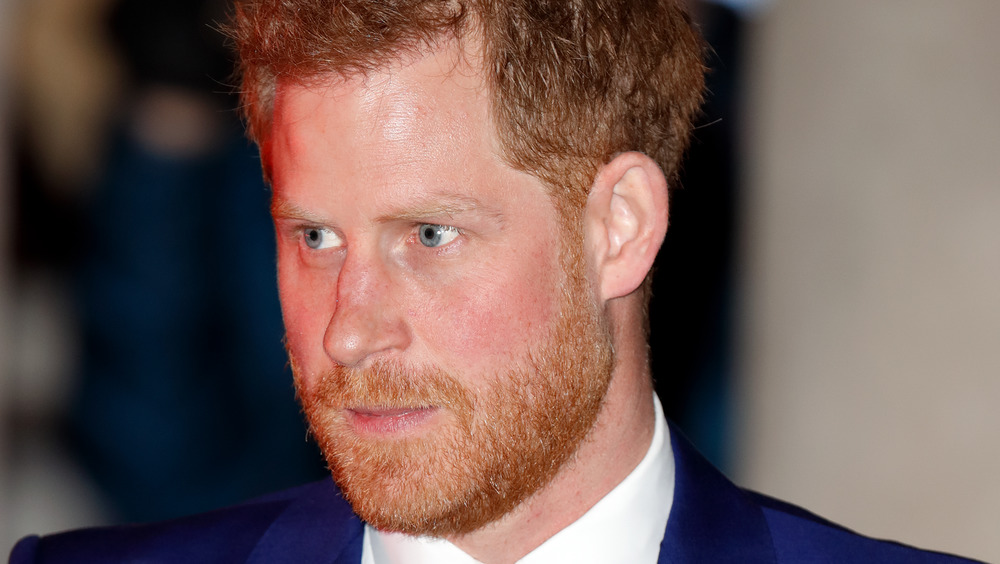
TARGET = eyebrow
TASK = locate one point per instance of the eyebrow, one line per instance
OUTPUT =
(283, 209)
(430, 206)
(446, 205)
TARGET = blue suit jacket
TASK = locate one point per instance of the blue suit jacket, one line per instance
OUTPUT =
(712, 521)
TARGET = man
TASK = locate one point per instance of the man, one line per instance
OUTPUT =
(468, 199)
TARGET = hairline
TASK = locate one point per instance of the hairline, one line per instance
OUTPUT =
(448, 39)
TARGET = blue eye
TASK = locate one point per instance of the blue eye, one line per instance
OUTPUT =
(318, 239)
(433, 235)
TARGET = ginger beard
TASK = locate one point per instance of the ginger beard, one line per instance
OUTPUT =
(496, 448)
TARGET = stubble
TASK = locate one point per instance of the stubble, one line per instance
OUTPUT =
(496, 446)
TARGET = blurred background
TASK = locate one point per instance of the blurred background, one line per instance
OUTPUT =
(826, 315)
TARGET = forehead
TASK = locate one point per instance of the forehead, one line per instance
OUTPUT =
(422, 106)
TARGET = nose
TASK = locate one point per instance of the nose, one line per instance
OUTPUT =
(366, 320)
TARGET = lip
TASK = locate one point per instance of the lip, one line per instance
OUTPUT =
(389, 420)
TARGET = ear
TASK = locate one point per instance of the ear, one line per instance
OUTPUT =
(625, 222)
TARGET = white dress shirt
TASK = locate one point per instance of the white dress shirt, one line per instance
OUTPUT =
(626, 525)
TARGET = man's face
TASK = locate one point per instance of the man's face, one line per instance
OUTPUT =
(446, 346)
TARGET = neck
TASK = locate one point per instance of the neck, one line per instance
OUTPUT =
(613, 448)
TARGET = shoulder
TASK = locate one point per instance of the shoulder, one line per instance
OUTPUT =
(801, 536)
(226, 535)
(714, 520)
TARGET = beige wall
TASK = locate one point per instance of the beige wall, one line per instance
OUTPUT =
(871, 306)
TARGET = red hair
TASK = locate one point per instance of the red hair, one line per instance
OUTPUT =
(573, 82)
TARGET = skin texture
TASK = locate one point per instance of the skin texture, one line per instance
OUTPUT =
(401, 349)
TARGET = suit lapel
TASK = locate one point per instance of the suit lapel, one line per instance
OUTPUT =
(318, 526)
(711, 519)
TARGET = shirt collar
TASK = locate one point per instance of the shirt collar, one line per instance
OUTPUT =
(626, 525)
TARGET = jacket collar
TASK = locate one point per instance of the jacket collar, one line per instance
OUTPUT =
(711, 520)
(317, 526)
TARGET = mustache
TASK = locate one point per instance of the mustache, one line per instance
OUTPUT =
(387, 384)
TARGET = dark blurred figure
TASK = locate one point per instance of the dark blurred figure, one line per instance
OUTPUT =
(184, 402)
(692, 305)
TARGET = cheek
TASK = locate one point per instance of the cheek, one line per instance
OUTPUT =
(306, 307)
(498, 314)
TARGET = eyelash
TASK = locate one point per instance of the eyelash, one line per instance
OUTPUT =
(301, 234)
(442, 231)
